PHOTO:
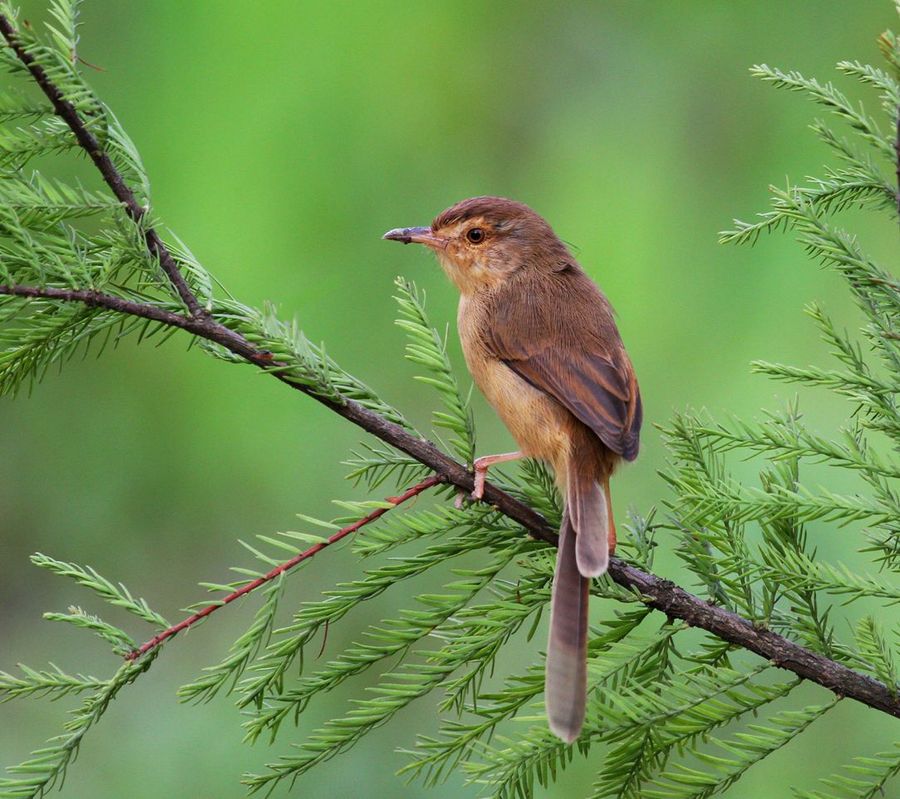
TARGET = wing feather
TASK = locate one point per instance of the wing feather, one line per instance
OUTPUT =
(577, 357)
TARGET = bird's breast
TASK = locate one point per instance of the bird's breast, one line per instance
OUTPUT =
(540, 425)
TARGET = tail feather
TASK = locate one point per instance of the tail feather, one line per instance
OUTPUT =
(566, 677)
(585, 539)
(587, 503)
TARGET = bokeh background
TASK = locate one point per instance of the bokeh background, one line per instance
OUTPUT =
(282, 139)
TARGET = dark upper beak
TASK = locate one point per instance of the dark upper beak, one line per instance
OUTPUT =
(417, 235)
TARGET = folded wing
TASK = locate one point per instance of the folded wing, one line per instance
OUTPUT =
(576, 357)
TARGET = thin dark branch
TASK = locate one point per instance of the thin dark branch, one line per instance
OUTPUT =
(111, 175)
(208, 328)
(677, 603)
(97, 299)
(658, 593)
(191, 620)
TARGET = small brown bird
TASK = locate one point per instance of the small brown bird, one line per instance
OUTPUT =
(540, 341)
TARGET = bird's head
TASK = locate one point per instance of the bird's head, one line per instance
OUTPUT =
(481, 241)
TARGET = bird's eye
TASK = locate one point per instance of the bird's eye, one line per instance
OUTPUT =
(475, 235)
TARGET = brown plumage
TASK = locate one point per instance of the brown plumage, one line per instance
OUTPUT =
(540, 341)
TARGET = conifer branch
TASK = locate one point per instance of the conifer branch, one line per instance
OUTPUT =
(113, 178)
(48, 765)
(656, 592)
(98, 299)
(306, 554)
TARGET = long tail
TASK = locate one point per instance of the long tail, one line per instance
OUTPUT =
(566, 678)
(587, 503)
(586, 539)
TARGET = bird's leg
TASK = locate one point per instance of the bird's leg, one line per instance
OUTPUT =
(484, 463)
(611, 536)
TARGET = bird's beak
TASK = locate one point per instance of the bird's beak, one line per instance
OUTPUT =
(416, 235)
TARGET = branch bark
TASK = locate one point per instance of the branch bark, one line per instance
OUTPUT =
(97, 299)
(658, 593)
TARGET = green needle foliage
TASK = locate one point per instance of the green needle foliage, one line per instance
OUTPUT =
(674, 712)
(865, 779)
(47, 766)
(428, 350)
(714, 774)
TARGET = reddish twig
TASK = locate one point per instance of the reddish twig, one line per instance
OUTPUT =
(191, 620)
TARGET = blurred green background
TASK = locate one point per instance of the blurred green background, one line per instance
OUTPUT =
(282, 139)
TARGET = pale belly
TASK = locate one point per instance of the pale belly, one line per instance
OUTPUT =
(539, 424)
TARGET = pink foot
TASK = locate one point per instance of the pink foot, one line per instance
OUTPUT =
(484, 463)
